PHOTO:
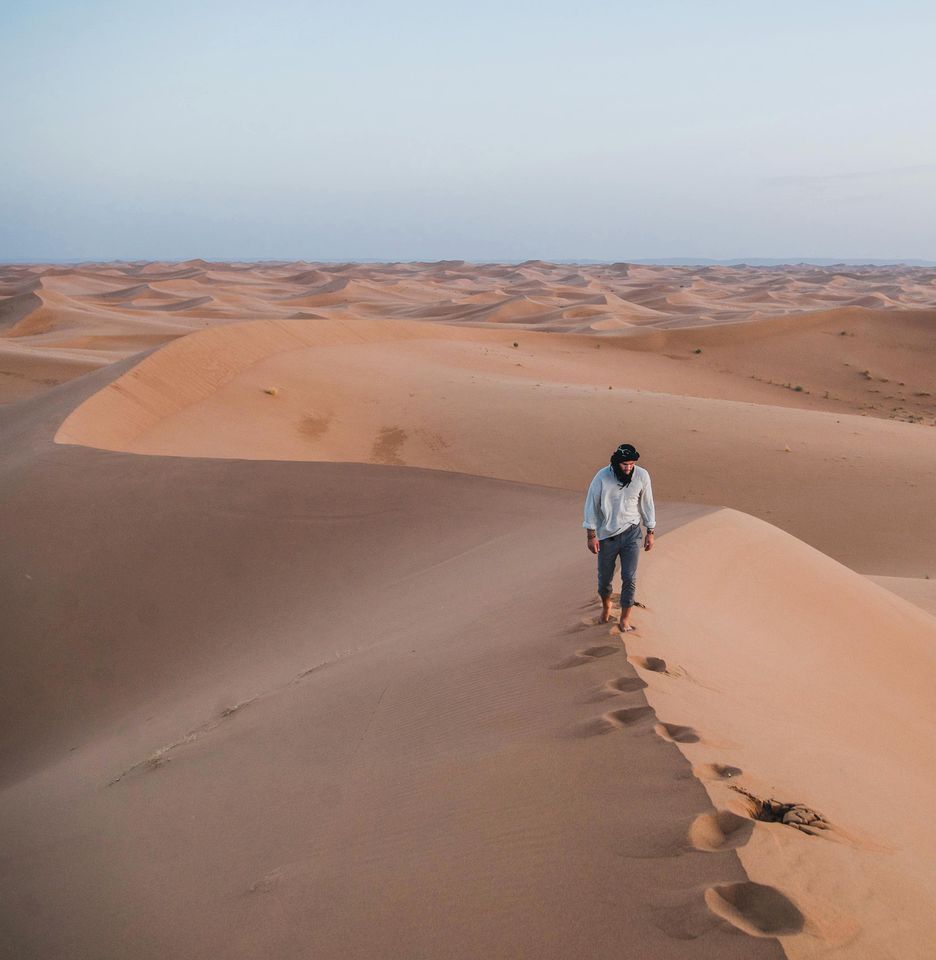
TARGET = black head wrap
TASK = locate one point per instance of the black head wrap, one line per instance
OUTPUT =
(623, 453)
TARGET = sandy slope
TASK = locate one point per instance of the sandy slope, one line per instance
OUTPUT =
(253, 715)
(921, 592)
(433, 396)
(818, 687)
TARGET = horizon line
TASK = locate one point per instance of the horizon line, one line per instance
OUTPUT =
(649, 261)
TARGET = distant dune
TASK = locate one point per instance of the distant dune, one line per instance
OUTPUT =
(69, 311)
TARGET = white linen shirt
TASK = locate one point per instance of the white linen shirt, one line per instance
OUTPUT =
(611, 508)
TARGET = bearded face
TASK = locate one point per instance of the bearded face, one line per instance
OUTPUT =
(624, 471)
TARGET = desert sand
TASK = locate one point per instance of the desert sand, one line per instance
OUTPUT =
(301, 637)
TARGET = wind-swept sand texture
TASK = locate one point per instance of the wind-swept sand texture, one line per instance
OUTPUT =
(301, 644)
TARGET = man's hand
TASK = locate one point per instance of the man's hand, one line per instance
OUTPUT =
(648, 540)
(593, 543)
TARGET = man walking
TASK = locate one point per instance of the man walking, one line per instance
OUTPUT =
(618, 499)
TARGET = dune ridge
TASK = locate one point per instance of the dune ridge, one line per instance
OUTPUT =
(676, 310)
(471, 402)
(770, 667)
(239, 762)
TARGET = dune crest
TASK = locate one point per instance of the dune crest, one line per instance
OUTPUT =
(886, 312)
(794, 671)
(469, 401)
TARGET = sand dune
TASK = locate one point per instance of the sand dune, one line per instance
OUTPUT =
(447, 752)
(919, 591)
(15, 307)
(290, 753)
(26, 372)
(127, 294)
(771, 668)
(471, 402)
(533, 295)
(300, 637)
(870, 361)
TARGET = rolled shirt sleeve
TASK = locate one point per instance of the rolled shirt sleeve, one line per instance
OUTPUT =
(592, 504)
(647, 510)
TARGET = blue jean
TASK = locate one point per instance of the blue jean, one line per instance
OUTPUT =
(625, 545)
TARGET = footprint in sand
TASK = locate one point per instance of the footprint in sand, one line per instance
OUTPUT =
(586, 623)
(626, 685)
(716, 771)
(755, 908)
(614, 720)
(722, 830)
(676, 733)
(656, 665)
(588, 655)
(614, 688)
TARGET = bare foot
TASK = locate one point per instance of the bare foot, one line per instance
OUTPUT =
(605, 610)
(626, 627)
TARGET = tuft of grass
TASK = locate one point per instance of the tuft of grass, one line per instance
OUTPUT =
(697, 350)
(798, 389)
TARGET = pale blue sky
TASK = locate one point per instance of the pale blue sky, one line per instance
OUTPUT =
(489, 131)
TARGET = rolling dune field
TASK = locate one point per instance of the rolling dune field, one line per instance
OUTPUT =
(303, 655)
